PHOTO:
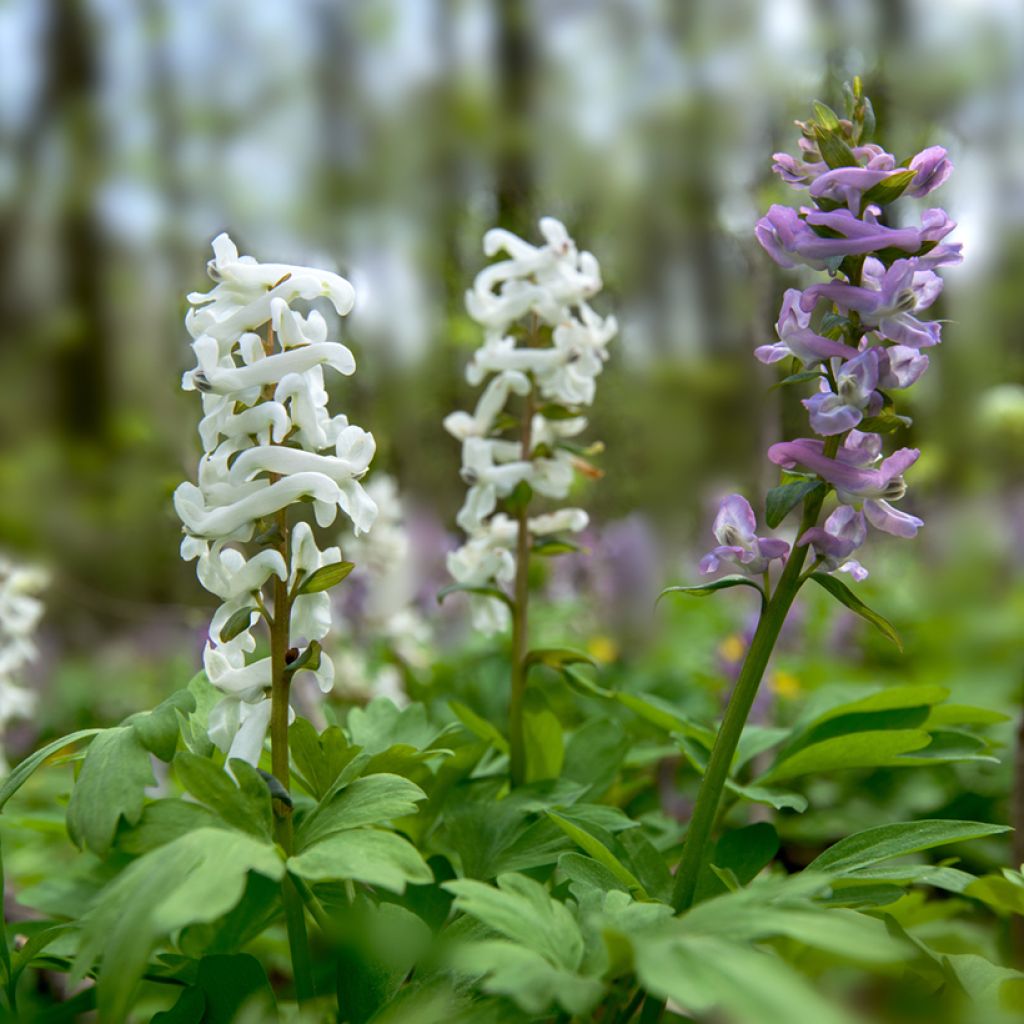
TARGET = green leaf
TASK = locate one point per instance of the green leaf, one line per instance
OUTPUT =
(523, 975)
(596, 849)
(111, 786)
(744, 852)
(798, 378)
(551, 546)
(479, 726)
(196, 878)
(371, 800)
(320, 758)
(868, 749)
(162, 822)
(888, 190)
(542, 735)
(158, 729)
(724, 583)
(245, 806)
(874, 845)
(377, 949)
(781, 500)
(557, 657)
(780, 799)
(465, 588)
(367, 855)
(325, 577)
(225, 985)
(522, 910)
(842, 593)
(45, 755)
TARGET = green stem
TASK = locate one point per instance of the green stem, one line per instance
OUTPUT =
(280, 685)
(520, 620)
(709, 797)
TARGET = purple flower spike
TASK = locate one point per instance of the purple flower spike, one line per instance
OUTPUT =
(843, 532)
(797, 338)
(855, 485)
(797, 173)
(735, 530)
(933, 168)
(835, 413)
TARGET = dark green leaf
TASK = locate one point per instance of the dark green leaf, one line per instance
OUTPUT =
(834, 149)
(781, 500)
(48, 754)
(196, 878)
(111, 786)
(600, 852)
(542, 733)
(158, 729)
(162, 822)
(873, 749)
(551, 546)
(245, 806)
(465, 588)
(842, 593)
(325, 577)
(799, 378)
(884, 842)
(557, 657)
(367, 855)
(826, 116)
(371, 800)
(320, 758)
(704, 589)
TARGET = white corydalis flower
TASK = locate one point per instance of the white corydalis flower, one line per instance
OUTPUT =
(269, 441)
(20, 612)
(547, 288)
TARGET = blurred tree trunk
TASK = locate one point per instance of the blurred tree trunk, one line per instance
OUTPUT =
(81, 370)
(517, 71)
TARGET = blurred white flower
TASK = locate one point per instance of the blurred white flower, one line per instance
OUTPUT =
(548, 288)
(20, 612)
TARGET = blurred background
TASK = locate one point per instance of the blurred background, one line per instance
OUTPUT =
(383, 137)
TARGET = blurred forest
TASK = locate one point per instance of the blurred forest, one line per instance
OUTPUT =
(383, 137)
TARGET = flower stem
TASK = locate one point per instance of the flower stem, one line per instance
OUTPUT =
(280, 685)
(769, 626)
(520, 619)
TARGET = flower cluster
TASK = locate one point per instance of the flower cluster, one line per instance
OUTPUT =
(543, 343)
(379, 604)
(269, 442)
(859, 335)
(20, 612)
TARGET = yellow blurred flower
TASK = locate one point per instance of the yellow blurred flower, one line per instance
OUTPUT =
(603, 648)
(732, 648)
(785, 684)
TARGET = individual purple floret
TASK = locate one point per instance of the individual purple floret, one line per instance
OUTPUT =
(735, 530)
(856, 484)
(887, 300)
(933, 168)
(835, 412)
(842, 533)
(797, 338)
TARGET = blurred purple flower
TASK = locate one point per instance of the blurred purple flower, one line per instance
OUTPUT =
(899, 366)
(734, 529)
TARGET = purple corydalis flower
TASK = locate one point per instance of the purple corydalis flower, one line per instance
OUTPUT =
(842, 533)
(797, 338)
(899, 366)
(847, 185)
(855, 484)
(735, 530)
(840, 411)
(887, 300)
(933, 167)
(790, 239)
